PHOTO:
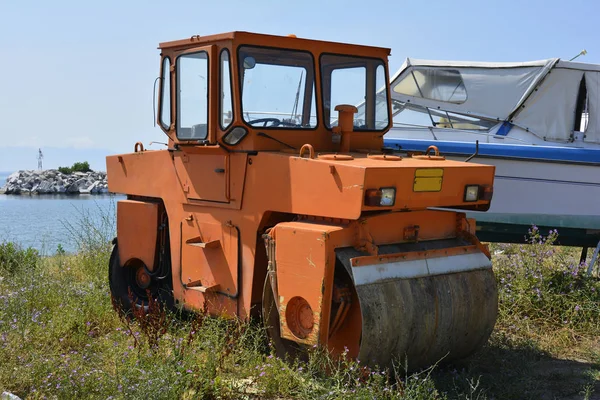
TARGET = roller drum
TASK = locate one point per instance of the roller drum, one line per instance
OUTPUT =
(427, 317)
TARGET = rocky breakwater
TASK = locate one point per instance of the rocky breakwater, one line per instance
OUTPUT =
(53, 181)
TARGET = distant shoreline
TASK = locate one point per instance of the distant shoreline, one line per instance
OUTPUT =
(52, 181)
(56, 194)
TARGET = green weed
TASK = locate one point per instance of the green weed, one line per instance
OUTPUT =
(14, 258)
(61, 338)
(543, 288)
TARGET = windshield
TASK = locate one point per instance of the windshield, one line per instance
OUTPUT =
(278, 88)
(434, 84)
(410, 115)
(359, 82)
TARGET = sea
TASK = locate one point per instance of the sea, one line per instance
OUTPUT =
(52, 222)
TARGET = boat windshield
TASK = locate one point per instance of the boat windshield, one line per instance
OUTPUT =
(434, 84)
(278, 88)
(409, 115)
(356, 81)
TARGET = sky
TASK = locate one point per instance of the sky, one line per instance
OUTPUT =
(76, 77)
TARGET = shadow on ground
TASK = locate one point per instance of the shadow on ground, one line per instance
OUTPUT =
(505, 370)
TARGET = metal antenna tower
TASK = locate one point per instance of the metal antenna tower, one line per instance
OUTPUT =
(40, 158)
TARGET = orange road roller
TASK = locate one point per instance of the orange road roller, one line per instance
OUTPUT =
(275, 197)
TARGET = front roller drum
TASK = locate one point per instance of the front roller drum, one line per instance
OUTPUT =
(409, 313)
(421, 321)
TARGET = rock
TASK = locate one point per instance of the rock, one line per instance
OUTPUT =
(9, 396)
(54, 181)
(45, 187)
(94, 187)
(14, 175)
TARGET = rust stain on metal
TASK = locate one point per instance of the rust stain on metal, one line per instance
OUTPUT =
(310, 261)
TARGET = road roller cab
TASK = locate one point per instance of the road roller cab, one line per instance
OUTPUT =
(275, 197)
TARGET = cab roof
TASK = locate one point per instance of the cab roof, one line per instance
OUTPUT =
(290, 42)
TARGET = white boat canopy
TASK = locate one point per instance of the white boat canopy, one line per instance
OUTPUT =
(550, 98)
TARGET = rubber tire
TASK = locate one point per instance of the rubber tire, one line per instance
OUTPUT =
(120, 282)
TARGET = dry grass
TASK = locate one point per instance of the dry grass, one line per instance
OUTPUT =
(60, 337)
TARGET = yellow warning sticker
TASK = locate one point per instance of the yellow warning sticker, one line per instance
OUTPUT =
(428, 179)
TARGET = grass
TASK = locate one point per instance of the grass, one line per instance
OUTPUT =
(60, 337)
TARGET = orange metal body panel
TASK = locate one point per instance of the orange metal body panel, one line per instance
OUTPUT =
(413, 255)
(306, 259)
(203, 178)
(305, 268)
(275, 182)
(213, 265)
(402, 174)
(137, 224)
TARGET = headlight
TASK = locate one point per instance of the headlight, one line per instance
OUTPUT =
(235, 135)
(383, 197)
(471, 193)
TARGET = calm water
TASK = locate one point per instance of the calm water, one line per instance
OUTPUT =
(44, 222)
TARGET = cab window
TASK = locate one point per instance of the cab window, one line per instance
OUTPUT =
(165, 101)
(278, 88)
(356, 81)
(226, 102)
(192, 96)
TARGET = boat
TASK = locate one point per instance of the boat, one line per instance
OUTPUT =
(537, 122)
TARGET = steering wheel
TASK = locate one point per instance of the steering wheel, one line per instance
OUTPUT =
(265, 121)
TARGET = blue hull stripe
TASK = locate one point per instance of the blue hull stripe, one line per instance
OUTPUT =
(542, 153)
(551, 181)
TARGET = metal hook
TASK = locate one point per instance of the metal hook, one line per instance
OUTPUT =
(476, 151)
(436, 152)
(311, 150)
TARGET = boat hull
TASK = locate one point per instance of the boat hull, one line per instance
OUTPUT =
(549, 193)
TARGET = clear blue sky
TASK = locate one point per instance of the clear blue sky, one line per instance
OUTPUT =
(76, 76)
